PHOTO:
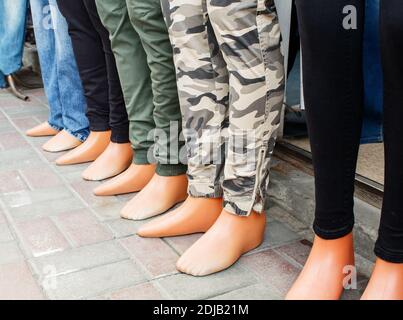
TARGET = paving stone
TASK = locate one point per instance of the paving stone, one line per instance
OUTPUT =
(182, 243)
(124, 228)
(9, 101)
(5, 233)
(186, 287)
(255, 292)
(41, 237)
(126, 197)
(10, 252)
(276, 234)
(96, 281)
(86, 191)
(75, 177)
(355, 294)
(46, 208)
(274, 270)
(74, 168)
(2, 217)
(143, 291)
(17, 283)
(50, 157)
(24, 198)
(41, 177)
(5, 126)
(109, 212)
(25, 123)
(82, 228)
(24, 111)
(154, 255)
(12, 140)
(297, 251)
(11, 181)
(77, 259)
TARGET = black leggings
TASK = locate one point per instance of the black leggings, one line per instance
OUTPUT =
(97, 67)
(334, 95)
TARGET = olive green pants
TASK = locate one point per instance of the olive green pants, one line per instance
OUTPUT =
(143, 53)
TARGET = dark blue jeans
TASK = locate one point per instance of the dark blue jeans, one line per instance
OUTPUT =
(59, 70)
(334, 96)
(12, 32)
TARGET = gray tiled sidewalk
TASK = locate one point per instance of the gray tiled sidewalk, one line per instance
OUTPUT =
(58, 241)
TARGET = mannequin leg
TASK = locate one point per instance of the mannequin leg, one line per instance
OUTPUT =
(116, 158)
(42, 130)
(169, 185)
(239, 228)
(134, 179)
(158, 196)
(60, 77)
(195, 215)
(93, 73)
(207, 112)
(91, 149)
(63, 141)
(386, 282)
(333, 89)
(136, 86)
(324, 272)
(229, 238)
(119, 154)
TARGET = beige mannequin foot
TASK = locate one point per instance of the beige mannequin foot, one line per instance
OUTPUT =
(91, 149)
(158, 196)
(226, 241)
(42, 130)
(386, 282)
(134, 179)
(114, 160)
(62, 141)
(195, 215)
(323, 275)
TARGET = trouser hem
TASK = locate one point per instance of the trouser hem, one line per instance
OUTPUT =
(195, 188)
(141, 157)
(99, 128)
(55, 127)
(82, 136)
(334, 233)
(171, 170)
(387, 255)
(120, 135)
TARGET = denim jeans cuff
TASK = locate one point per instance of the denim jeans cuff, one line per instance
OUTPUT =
(82, 135)
(171, 170)
(3, 83)
(55, 126)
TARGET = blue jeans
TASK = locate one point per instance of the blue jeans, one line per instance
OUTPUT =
(59, 70)
(12, 32)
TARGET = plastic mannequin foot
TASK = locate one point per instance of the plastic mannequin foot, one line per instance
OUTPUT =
(113, 161)
(158, 196)
(91, 149)
(135, 178)
(195, 215)
(386, 282)
(324, 272)
(42, 130)
(226, 241)
(62, 141)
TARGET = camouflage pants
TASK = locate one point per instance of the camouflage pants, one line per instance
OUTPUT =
(231, 85)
